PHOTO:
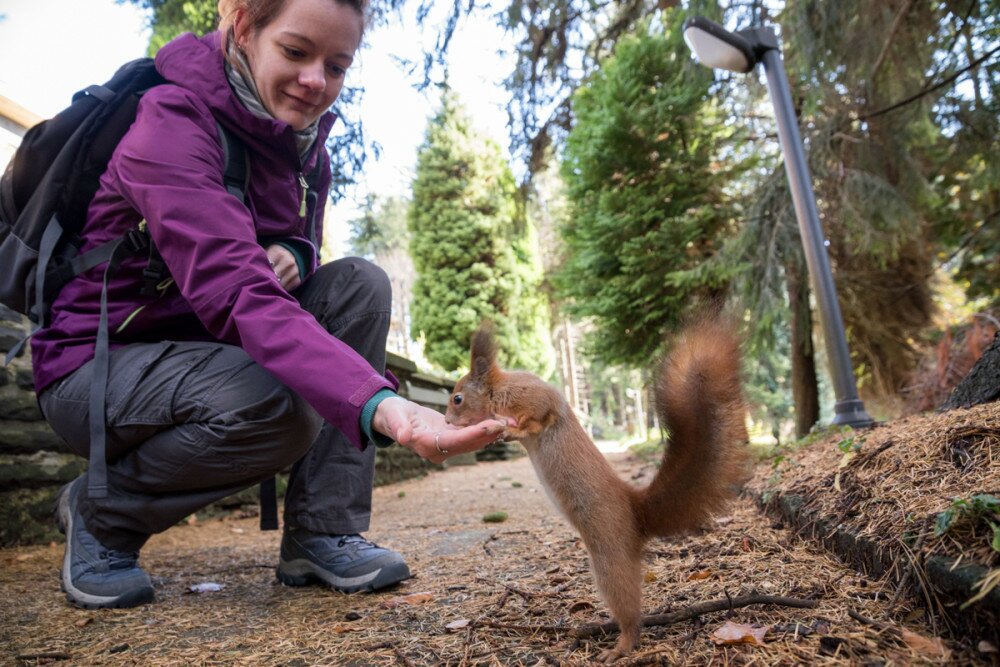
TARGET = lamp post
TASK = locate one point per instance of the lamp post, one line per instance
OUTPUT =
(716, 47)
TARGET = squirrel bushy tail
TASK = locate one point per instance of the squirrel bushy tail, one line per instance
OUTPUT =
(700, 402)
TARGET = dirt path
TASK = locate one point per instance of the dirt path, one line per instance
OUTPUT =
(527, 571)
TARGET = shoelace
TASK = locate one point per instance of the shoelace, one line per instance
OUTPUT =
(120, 560)
(356, 539)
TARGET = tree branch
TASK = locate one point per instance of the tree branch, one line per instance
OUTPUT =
(930, 89)
(896, 22)
(697, 610)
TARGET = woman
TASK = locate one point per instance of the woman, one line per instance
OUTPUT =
(250, 357)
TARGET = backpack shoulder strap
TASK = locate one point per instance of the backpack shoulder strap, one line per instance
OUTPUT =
(236, 176)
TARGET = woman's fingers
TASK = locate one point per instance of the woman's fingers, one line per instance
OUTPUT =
(284, 265)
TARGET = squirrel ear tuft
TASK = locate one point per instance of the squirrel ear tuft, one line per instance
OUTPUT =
(484, 350)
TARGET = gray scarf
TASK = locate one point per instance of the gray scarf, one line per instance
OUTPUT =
(246, 90)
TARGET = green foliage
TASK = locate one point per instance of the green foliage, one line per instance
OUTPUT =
(851, 444)
(898, 140)
(170, 18)
(495, 517)
(980, 507)
(647, 194)
(381, 228)
(473, 250)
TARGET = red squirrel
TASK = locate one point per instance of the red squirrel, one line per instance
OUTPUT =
(699, 401)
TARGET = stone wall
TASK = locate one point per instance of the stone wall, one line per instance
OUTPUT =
(34, 462)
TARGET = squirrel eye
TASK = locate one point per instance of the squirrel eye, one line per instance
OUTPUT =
(457, 399)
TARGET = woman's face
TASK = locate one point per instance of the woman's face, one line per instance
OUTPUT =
(299, 59)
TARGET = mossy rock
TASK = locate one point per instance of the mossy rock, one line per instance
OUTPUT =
(26, 517)
(38, 470)
(26, 437)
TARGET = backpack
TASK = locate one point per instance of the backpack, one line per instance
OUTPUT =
(49, 183)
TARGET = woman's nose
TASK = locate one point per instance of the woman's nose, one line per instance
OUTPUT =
(313, 77)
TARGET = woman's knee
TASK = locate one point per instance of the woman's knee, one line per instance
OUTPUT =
(363, 282)
(263, 421)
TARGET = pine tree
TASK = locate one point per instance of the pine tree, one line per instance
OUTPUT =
(649, 208)
(473, 249)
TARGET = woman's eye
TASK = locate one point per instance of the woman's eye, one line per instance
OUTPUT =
(292, 53)
(457, 399)
(336, 70)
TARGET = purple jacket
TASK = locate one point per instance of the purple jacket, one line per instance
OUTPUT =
(168, 170)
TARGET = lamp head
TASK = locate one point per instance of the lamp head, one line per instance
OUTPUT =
(716, 47)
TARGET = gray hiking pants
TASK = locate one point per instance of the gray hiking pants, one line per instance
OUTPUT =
(190, 423)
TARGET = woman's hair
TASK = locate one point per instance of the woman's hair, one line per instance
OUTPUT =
(261, 12)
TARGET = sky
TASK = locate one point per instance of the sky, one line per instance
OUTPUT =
(49, 49)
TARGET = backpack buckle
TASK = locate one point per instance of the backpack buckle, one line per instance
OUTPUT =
(136, 240)
(152, 275)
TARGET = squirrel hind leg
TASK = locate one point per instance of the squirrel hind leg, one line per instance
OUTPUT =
(619, 580)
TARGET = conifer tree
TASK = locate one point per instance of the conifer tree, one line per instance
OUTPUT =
(473, 249)
(647, 194)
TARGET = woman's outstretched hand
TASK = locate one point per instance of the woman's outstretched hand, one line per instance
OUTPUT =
(426, 433)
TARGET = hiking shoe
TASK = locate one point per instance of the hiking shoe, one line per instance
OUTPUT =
(347, 563)
(94, 576)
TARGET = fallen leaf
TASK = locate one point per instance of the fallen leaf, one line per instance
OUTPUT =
(836, 482)
(238, 531)
(340, 628)
(83, 622)
(192, 520)
(207, 587)
(986, 647)
(738, 633)
(552, 570)
(724, 520)
(457, 625)
(411, 599)
(698, 576)
(746, 544)
(650, 576)
(495, 517)
(929, 646)
(579, 606)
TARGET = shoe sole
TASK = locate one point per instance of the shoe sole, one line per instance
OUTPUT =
(302, 572)
(74, 595)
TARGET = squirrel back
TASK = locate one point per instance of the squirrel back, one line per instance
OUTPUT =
(700, 403)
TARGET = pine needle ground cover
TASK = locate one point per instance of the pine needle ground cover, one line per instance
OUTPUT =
(519, 591)
(917, 500)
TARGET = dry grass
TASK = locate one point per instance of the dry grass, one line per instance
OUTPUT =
(507, 578)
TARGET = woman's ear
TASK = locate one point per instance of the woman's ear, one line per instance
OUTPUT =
(241, 29)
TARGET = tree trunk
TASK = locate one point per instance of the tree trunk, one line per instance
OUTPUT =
(805, 389)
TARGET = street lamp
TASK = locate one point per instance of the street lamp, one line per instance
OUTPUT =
(716, 47)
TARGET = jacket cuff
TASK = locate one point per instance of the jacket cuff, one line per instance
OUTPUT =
(300, 260)
(368, 414)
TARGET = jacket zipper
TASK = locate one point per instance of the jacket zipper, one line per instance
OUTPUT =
(305, 193)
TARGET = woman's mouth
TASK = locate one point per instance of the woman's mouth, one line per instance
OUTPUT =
(300, 103)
